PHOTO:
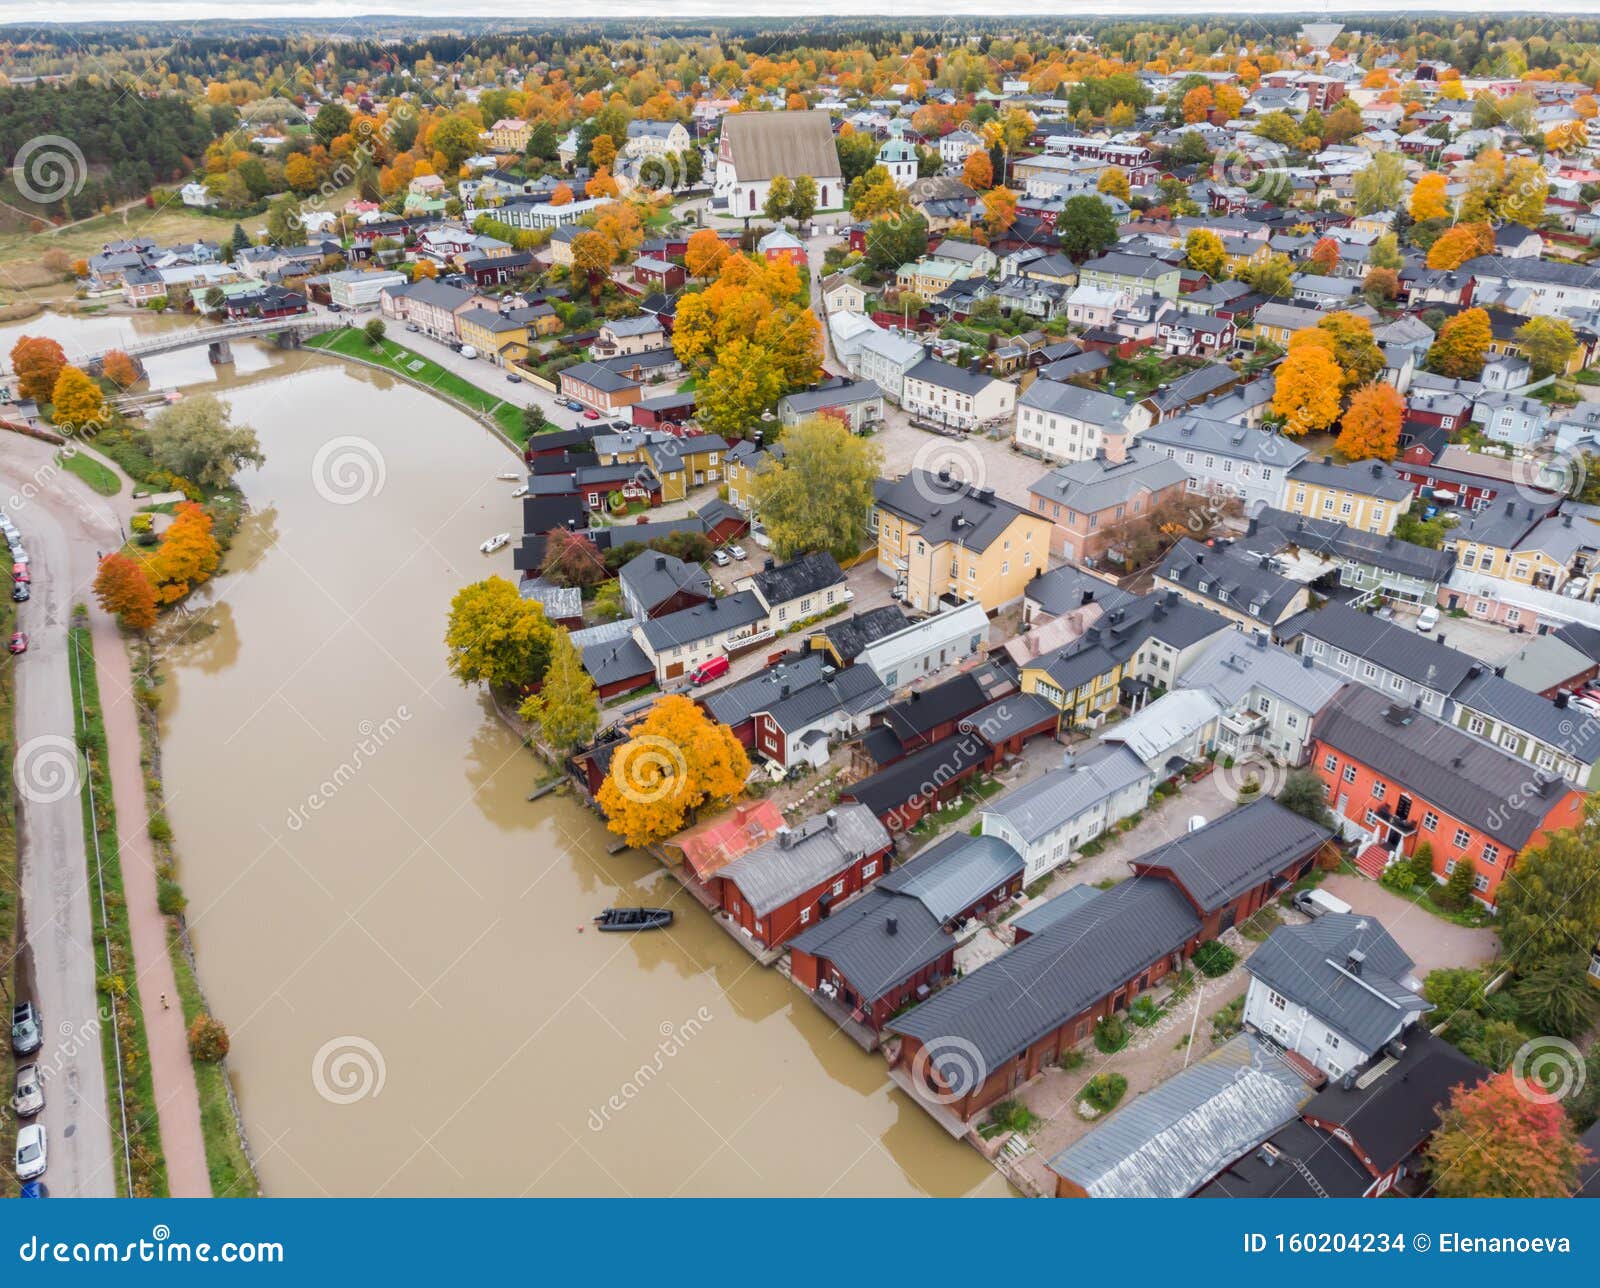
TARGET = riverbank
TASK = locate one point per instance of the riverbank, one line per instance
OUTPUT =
(125, 1043)
(228, 1157)
(504, 417)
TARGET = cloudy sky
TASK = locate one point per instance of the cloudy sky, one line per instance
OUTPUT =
(35, 12)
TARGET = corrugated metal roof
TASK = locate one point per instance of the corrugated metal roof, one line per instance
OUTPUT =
(1035, 809)
(951, 876)
(1177, 1136)
(1238, 851)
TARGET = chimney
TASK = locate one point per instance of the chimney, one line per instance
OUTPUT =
(785, 838)
(661, 563)
(892, 925)
(1354, 960)
(1088, 597)
(712, 604)
(1116, 449)
(1561, 699)
(1307, 662)
(833, 820)
(783, 691)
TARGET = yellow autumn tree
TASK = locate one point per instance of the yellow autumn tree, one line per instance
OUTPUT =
(676, 761)
(1459, 244)
(1114, 183)
(1307, 391)
(1370, 429)
(77, 403)
(1428, 198)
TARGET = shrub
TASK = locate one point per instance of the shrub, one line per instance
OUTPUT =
(208, 1039)
(170, 898)
(1011, 1115)
(374, 330)
(1144, 1012)
(160, 830)
(1399, 876)
(1456, 893)
(1105, 1090)
(1214, 959)
(1070, 1060)
(1110, 1033)
(141, 522)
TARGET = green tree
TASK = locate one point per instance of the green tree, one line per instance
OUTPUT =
(780, 199)
(1549, 903)
(1385, 253)
(803, 198)
(1457, 891)
(285, 226)
(1381, 184)
(566, 708)
(331, 120)
(1548, 344)
(819, 495)
(534, 421)
(196, 439)
(1303, 793)
(457, 138)
(374, 331)
(1273, 277)
(895, 240)
(1086, 226)
(495, 636)
(1556, 996)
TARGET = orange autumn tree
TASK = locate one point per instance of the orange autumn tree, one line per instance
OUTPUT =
(1370, 429)
(119, 368)
(676, 761)
(562, 196)
(1496, 1141)
(187, 556)
(1459, 244)
(1307, 392)
(705, 253)
(763, 303)
(999, 210)
(1460, 347)
(122, 589)
(1324, 257)
(977, 171)
(37, 361)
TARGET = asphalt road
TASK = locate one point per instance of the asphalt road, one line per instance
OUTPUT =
(60, 530)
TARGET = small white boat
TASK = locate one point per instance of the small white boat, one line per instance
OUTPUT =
(510, 476)
(495, 542)
(520, 492)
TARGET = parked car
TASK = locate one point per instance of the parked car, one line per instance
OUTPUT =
(19, 643)
(335, 308)
(737, 552)
(712, 668)
(513, 377)
(589, 413)
(35, 1190)
(19, 572)
(20, 593)
(1585, 703)
(1575, 588)
(29, 1097)
(719, 557)
(32, 1153)
(1428, 618)
(25, 1035)
(1318, 903)
(412, 326)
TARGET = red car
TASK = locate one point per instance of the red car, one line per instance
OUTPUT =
(19, 644)
(19, 572)
(712, 668)
(589, 413)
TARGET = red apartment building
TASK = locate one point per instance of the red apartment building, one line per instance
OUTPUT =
(1398, 777)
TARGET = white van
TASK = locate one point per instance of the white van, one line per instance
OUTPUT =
(468, 352)
(1319, 903)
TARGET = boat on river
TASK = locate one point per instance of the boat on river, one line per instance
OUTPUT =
(496, 542)
(634, 919)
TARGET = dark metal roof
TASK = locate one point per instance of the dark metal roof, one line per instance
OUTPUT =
(702, 621)
(1575, 732)
(1230, 577)
(852, 634)
(955, 873)
(1395, 648)
(797, 578)
(736, 703)
(1237, 852)
(1311, 965)
(919, 774)
(858, 942)
(1486, 788)
(1011, 1002)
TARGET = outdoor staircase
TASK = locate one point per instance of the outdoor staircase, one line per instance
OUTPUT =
(1372, 861)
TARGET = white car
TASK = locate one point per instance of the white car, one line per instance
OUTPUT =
(468, 352)
(1584, 703)
(1428, 619)
(719, 557)
(29, 1099)
(736, 551)
(32, 1152)
(495, 542)
(1575, 588)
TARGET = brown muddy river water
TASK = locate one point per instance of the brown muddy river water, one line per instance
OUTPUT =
(396, 937)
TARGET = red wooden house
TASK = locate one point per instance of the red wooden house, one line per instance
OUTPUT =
(792, 881)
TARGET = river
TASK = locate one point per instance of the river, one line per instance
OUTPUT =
(396, 938)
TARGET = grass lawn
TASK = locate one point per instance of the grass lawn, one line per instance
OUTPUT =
(414, 367)
(92, 472)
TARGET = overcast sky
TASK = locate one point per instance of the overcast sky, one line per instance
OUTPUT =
(34, 12)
